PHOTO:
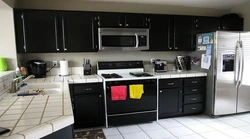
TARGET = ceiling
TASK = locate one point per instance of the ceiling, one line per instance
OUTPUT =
(217, 4)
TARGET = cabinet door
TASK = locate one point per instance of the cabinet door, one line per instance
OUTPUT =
(159, 33)
(19, 26)
(78, 32)
(41, 32)
(183, 33)
(111, 20)
(232, 24)
(170, 102)
(88, 110)
(207, 24)
(136, 21)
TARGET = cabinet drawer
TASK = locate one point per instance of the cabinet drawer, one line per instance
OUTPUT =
(194, 81)
(193, 108)
(194, 89)
(170, 83)
(87, 88)
(193, 98)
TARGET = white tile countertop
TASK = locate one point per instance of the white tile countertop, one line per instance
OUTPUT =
(33, 117)
(177, 74)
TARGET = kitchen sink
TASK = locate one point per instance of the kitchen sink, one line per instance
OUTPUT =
(40, 89)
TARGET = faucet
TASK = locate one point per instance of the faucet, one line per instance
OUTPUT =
(16, 86)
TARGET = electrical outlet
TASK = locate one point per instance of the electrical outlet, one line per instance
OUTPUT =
(55, 63)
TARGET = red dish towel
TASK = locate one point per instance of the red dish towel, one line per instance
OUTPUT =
(118, 92)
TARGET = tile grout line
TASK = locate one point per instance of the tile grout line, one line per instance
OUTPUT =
(44, 110)
(188, 128)
(144, 132)
(119, 132)
(8, 107)
(21, 115)
(167, 129)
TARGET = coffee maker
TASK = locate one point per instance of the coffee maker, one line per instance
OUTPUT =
(159, 65)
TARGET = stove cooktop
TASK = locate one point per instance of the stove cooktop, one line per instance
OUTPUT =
(112, 75)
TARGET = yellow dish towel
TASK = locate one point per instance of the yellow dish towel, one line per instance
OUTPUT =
(136, 91)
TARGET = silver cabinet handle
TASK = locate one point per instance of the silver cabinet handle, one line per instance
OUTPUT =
(137, 40)
(193, 99)
(170, 83)
(194, 82)
(88, 89)
(176, 48)
(56, 35)
(24, 33)
(63, 34)
(193, 108)
(100, 96)
(194, 90)
(127, 25)
(120, 25)
(223, 27)
(160, 91)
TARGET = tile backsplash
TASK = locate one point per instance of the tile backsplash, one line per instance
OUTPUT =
(6, 81)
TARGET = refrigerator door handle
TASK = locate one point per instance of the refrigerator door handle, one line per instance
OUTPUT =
(237, 74)
(242, 63)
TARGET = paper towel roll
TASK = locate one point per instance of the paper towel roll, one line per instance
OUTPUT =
(64, 68)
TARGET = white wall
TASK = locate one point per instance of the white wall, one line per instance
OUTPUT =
(117, 7)
(7, 35)
(244, 11)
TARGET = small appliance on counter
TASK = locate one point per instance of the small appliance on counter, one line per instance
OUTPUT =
(159, 65)
(37, 68)
(183, 63)
(3, 64)
(87, 69)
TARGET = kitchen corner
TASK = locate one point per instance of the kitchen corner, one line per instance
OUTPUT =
(32, 117)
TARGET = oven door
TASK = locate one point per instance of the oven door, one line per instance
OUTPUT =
(123, 39)
(148, 101)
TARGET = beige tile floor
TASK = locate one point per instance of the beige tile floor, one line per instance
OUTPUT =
(189, 127)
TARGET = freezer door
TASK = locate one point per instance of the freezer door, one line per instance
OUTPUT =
(226, 75)
(244, 88)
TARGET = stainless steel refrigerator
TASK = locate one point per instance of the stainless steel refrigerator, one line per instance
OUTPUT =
(228, 80)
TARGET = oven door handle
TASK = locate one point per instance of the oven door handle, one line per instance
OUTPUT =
(137, 40)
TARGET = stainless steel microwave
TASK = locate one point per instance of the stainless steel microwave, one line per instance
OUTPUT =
(123, 39)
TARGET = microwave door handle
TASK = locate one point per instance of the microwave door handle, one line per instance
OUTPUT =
(137, 40)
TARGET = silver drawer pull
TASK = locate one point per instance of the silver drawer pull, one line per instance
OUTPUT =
(194, 82)
(194, 90)
(170, 83)
(88, 89)
(160, 91)
(194, 98)
(193, 108)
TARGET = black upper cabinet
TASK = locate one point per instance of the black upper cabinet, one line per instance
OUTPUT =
(182, 34)
(78, 32)
(159, 32)
(136, 21)
(38, 32)
(111, 20)
(119, 20)
(232, 24)
(207, 24)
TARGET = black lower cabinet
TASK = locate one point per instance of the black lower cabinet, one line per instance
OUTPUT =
(179, 97)
(88, 105)
(170, 101)
(65, 133)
